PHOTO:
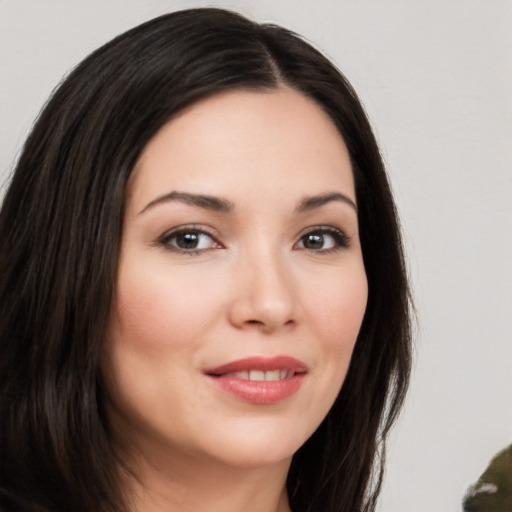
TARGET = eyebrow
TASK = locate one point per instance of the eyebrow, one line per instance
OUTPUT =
(215, 204)
(218, 204)
(313, 202)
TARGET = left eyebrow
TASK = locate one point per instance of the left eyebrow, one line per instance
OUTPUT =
(312, 202)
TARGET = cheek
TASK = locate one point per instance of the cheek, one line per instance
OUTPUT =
(159, 310)
(335, 313)
(157, 326)
(337, 308)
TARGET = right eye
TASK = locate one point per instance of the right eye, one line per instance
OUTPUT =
(191, 241)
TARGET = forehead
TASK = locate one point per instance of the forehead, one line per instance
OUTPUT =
(241, 142)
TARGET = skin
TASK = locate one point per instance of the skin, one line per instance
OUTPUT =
(256, 285)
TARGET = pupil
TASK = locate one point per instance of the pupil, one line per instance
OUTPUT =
(314, 241)
(188, 241)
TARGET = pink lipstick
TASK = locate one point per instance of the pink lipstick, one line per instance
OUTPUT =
(260, 380)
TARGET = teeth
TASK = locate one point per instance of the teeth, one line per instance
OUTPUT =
(274, 375)
(258, 375)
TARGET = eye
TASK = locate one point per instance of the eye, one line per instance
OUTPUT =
(323, 240)
(189, 241)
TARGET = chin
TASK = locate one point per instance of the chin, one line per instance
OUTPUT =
(246, 456)
(257, 444)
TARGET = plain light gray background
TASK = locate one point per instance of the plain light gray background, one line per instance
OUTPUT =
(436, 79)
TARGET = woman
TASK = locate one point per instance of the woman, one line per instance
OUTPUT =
(204, 300)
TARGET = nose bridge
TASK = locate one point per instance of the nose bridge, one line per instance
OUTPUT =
(265, 296)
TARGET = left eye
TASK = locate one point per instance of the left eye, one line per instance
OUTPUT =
(189, 241)
(323, 240)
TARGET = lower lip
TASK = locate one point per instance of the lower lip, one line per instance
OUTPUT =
(259, 391)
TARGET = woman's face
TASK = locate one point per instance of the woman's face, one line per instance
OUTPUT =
(241, 286)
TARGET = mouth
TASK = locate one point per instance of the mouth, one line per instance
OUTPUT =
(259, 380)
(258, 375)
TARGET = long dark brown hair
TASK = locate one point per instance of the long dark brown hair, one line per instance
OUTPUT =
(60, 231)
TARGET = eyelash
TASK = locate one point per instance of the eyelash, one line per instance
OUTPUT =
(341, 240)
(166, 238)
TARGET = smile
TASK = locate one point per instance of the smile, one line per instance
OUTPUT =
(259, 380)
(258, 375)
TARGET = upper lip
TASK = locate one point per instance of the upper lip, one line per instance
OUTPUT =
(263, 364)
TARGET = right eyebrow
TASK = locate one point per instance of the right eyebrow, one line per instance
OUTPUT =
(216, 204)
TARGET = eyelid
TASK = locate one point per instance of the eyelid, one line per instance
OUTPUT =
(341, 238)
(163, 240)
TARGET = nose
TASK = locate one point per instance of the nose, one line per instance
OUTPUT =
(265, 295)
